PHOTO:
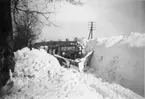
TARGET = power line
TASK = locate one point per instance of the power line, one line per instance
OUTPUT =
(91, 30)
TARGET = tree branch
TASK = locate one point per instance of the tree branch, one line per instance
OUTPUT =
(40, 13)
(33, 11)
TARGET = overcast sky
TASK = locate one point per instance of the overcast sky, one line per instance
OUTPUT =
(111, 17)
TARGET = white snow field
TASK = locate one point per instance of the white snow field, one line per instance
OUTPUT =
(119, 59)
(38, 75)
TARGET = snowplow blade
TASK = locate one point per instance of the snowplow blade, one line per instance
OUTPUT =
(85, 62)
(81, 63)
(88, 58)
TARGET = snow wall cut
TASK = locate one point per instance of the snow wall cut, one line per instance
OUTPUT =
(38, 75)
(119, 59)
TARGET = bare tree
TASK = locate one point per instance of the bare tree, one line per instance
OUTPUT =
(6, 31)
(27, 30)
(26, 21)
(19, 6)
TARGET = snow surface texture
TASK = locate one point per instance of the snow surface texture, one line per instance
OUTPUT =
(133, 40)
(38, 75)
(119, 59)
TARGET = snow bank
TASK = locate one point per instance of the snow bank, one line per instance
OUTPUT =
(35, 60)
(136, 40)
(40, 76)
(133, 40)
(119, 59)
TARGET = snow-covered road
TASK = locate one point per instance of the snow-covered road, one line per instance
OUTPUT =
(38, 75)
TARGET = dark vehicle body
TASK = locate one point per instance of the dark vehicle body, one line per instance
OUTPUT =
(67, 49)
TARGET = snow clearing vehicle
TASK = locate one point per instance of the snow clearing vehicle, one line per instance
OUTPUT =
(68, 53)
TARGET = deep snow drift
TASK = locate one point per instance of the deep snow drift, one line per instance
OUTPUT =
(38, 75)
(119, 59)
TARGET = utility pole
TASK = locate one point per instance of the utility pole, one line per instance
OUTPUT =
(91, 30)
